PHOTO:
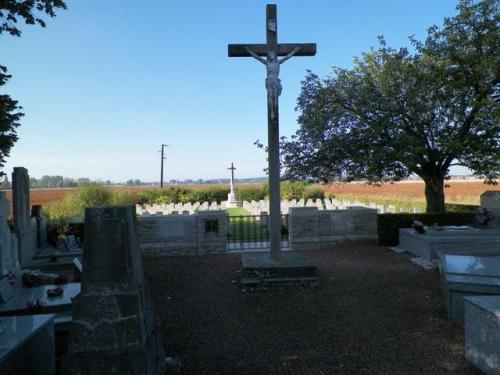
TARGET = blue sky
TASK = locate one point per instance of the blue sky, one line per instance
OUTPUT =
(107, 82)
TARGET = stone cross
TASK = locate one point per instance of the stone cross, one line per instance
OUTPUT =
(272, 50)
(232, 169)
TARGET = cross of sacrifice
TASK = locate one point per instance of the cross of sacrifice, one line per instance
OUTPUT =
(272, 50)
(232, 169)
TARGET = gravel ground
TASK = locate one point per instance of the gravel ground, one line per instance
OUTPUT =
(375, 313)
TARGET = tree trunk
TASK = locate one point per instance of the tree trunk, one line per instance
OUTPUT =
(434, 193)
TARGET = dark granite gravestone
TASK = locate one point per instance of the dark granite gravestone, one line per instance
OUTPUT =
(113, 329)
(482, 333)
(27, 345)
(467, 275)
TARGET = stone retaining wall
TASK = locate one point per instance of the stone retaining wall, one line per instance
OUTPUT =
(201, 233)
(311, 229)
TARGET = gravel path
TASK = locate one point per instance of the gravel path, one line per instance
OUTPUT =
(375, 313)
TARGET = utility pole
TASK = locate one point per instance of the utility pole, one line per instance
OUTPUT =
(163, 157)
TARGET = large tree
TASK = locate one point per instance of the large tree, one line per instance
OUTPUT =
(397, 113)
(11, 11)
(9, 120)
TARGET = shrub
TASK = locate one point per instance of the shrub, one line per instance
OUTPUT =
(122, 198)
(314, 192)
(388, 225)
(88, 195)
(91, 195)
(293, 190)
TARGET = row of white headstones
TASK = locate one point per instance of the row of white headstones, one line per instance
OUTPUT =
(258, 207)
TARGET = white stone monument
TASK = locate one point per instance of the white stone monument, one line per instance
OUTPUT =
(232, 198)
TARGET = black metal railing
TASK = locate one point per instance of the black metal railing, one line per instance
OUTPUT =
(252, 232)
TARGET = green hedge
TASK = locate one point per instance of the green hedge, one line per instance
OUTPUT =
(456, 207)
(389, 224)
(252, 193)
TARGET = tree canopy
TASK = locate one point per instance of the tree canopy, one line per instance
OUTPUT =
(30, 11)
(401, 112)
(9, 120)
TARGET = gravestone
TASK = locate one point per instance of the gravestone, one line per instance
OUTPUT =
(113, 329)
(23, 225)
(465, 275)
(27, 345)
(8, 243)
(491, 200)
(41, 225)
(482, 333)
(426, 245)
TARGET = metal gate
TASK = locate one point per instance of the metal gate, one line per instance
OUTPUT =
(251, 232)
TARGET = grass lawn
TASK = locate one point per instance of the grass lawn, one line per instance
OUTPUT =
(243, 227)
(237, 212)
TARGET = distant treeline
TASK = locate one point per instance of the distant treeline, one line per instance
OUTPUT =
(66, 182)
(218, 181)
(54, 182)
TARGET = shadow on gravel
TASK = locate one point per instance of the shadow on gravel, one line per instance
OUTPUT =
(375, 313)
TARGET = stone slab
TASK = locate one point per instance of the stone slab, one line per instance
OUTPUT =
(17, 304)
(397, 249)
(27, 345)
(6, 292)
(289, 264)
(426, 245)
(482, 333)
(425, 264)
(463, 275)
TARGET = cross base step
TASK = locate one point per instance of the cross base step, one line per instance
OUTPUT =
(290, 269)
(255, 282)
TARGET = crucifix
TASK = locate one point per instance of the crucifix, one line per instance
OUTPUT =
(272, 52)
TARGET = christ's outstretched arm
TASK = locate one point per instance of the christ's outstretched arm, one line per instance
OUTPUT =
(295, 50)
(257, 57)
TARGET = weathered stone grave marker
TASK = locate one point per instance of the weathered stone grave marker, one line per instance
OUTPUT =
(23, 226)
(113, 329)
(9, 262)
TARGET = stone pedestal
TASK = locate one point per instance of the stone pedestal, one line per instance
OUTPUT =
(113, 329)
(232, 200)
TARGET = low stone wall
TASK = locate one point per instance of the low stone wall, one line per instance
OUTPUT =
(312, 229)
(201, 233)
